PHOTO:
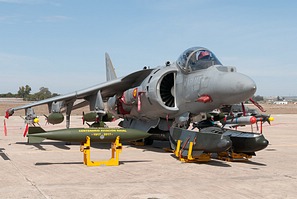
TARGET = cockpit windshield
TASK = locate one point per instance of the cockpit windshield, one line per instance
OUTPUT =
(197, 58)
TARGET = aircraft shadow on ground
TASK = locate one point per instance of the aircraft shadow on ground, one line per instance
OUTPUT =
(53, 163)
(252, 163)
(157, 146)
(60, 145)
(217, 163)
(149, 148)
(4, 156)
(134, 161)
(76, 163)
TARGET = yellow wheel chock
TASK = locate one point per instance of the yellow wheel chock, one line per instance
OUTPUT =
(137, 143)
(116, 149)
(204, 157)
(233, 157)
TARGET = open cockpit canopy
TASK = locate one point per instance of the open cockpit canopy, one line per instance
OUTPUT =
(197, 58)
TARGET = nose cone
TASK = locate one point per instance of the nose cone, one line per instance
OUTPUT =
(234, 88)
(248, 144)
(261, 143)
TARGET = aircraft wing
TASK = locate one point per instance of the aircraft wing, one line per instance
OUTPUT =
(108, 89)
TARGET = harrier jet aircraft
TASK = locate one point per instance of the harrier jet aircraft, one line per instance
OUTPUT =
(153, 99)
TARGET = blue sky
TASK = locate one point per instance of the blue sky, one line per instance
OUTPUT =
(60, 44)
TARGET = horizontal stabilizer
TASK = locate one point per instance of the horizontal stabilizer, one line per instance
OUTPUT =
(32, 139)
(35, 140)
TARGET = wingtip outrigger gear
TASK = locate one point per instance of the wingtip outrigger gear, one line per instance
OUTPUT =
(9, 112)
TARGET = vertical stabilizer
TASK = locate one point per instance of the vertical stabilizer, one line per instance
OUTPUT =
(110, 72)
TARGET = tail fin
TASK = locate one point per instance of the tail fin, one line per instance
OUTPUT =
(32, 139)
(35, 129)
(110, 72)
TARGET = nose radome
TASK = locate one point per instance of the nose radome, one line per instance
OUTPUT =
(235, 87)
(246, 85)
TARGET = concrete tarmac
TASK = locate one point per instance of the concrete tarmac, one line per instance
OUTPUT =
(55, 170)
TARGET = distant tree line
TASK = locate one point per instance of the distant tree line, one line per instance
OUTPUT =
(25, 93)
(258, 98)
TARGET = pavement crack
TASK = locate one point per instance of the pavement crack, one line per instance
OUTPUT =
(29, 181)
(291, 177)
(36, 187)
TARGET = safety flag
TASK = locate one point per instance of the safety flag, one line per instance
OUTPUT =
(257, 105)
(5, 129)
(26, 130)
(138, 103)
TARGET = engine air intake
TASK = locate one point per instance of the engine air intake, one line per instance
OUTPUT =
(167, 90)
